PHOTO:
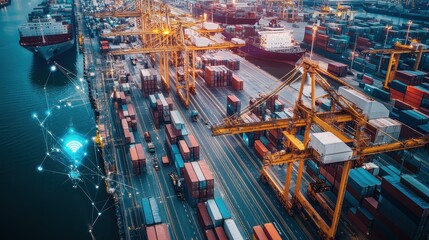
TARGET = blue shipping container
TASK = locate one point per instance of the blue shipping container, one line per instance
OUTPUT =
(147, 212)
(222, 208)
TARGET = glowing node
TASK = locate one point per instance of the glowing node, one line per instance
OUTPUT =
(96, 186)
(48, 113)
(81, 79)
(99, 213)
(74, 174)
(39, 168)
(34, 115)
(77, 87)
(47, 154)
(92, 204)
(53, 68)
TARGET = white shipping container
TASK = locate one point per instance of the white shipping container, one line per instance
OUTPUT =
(231, 230)
(210, 26)
(214, 213)
(330, 148)
(371, 108)
(386, 126)
(237, 41)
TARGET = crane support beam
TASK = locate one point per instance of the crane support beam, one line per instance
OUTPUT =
(402, 145)
(236, 128)
(329, 128)
(282, 157)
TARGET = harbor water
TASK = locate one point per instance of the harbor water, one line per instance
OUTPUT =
(44, 204)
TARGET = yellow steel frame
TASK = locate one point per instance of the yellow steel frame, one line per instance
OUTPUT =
(394, 59)
(299, 152)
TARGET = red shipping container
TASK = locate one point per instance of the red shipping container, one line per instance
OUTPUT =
(195, 147)
(169, 102)
(140, 152)
(210, 235)
(169, 133)
(259, 234)
(207, 174)
(237, 83)
(402, 105)
(131, 111)
(396, 94)
(356, 222)
(260, 150)
(203, 216)
(162, 232)
(220, 233)
(151, 233)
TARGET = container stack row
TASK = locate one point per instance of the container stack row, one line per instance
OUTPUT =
(158, 232)
(161, 107)
(216, 220)
(219, 59)
(403, 209)
(218, 76)
(149, 81)
(237, 83)
(138, 158)
(151, 214)
(199, 182)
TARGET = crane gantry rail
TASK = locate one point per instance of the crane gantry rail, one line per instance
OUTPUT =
(306, 115)
(163, 33)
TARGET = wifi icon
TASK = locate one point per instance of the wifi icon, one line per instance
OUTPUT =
(74, 146)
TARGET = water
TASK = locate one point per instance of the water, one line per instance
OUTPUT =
(42, 205)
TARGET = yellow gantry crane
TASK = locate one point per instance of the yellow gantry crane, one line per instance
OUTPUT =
(164, 33)
(306, 116)
(395, 54)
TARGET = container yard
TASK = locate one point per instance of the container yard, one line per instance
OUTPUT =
(208, 146)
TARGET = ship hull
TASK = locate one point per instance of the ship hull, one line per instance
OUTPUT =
(48, 52)
(198, 12)
(256, 52)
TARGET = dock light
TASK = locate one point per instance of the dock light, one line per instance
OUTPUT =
(385, 42)
(408, 31)
(166, 32)
(53, 68)
(312, 42)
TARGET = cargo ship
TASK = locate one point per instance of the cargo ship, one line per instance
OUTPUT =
(4, 3)
(232, 13)
(398, 11)
(272, 42)
(49, 30)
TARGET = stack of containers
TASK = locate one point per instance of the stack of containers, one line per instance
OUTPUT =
(233, 105)
(271, 102)
(149, 80)
(403, 210)
(412, 118)
(249, 138)
(193, 147)
(132, 115)
(337, 45)
(308, 34)
(414, 95)
(361, 218)
(178, 125)
(410, 77)
(237, 83)
(208, 177)
(398, 90)
(199, 182)
(184, 150)
(154, 107)
(129, 137)
(279, 106)
(380, 128)
(155, 211)
(361, 184)
(260, 150)
(170, 135)
(220, 59)
(210, 234)
(178, 160)
(150, 211)
(214, 213)
(367, 79)
(218, 76)
(138, 158)
(363, 43)
(165, 108)
(322, 41)
(338, 69)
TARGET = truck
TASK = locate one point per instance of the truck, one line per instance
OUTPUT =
(147, 137)
(194, 115)
(165, 161)
(177, 184)
(151, 147)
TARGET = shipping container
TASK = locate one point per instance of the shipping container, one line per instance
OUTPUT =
(271, 232)
(147, 212)
(204, 217)
(151, 233)
(209, 234)
(231, 230)
(162, 232)
(258, 233)
(214, 213)
(220, 233)
(155, 210)
(222, 208)
(329, 147)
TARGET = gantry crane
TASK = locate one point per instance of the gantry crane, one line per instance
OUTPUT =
(164, 33)
(306, 116)
(395, 54)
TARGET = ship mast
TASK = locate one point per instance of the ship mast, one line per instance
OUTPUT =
(41, 31)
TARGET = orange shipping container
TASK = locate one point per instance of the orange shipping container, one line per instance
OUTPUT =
(271, 232)
(258, 233)
(133, 153)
